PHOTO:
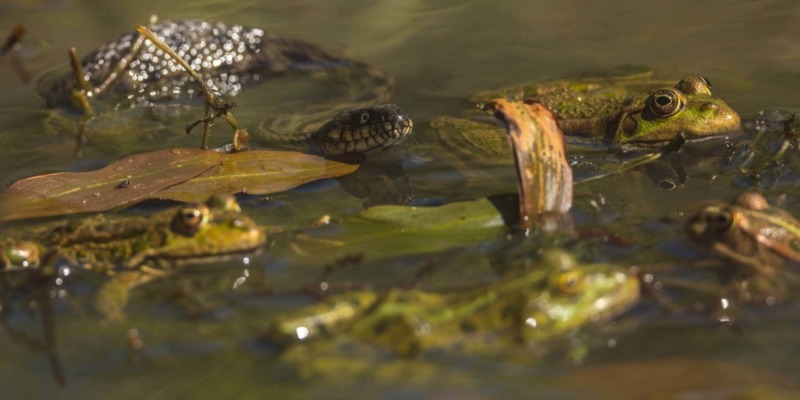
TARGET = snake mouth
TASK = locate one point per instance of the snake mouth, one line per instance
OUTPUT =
(363, 131)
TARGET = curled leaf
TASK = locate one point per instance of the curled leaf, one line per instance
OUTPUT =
(544, 176)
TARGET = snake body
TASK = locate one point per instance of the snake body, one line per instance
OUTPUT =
(229, 58)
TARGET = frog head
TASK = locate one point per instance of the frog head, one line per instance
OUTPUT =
(687, 108)
(200, 231)
(576, 295)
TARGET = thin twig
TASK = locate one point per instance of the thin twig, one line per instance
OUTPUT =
(215, 107)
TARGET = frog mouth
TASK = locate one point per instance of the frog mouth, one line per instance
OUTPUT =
(249, 243)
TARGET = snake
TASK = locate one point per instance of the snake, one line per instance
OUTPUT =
(131, 71)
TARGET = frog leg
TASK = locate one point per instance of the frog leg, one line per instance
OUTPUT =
(756, 267)
(47, 344)
(113, 296)
(631, 106)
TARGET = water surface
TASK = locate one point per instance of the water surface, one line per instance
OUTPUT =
(200, 334)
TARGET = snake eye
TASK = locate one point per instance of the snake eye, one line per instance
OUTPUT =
(364, 117)
(570, 282)
(665, 103)
(191, 219)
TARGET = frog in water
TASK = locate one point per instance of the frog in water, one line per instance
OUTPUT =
(634, 109)
(136, 249)
(756, 242)
(621, 110)
(558, 297)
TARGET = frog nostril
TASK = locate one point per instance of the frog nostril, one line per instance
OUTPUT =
(710, 107)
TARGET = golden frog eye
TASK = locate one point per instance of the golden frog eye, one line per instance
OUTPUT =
(719, 221)
(665, 102)
(570, 282)
(364, 117)
(189, 220)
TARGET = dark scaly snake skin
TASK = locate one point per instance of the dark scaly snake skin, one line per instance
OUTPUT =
(228, 57)
(362, 130)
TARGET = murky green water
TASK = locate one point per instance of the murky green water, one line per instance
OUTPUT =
(200, 335)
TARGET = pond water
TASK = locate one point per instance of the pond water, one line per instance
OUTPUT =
(201, 334)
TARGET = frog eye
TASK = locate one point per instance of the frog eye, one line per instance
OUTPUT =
(570, 282)
(191, 219)
(720, 221)
(705, 80)
(665, 103)
(364, 117)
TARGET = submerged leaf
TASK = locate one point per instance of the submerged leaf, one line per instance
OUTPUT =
(387, 231)
(128, 180)
(258, 172)
(544, 176)
(456, 217)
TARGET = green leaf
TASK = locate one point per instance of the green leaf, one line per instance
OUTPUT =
(258, 172)
(390, 230)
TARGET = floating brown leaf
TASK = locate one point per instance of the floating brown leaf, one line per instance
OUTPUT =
(258, 172)
(122, 182)
(544, 175)
(176, 174)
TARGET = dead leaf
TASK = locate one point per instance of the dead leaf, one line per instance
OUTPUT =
(257, 172)
(544, 176)
(128, 180)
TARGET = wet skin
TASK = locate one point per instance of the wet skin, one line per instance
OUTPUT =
(625, 110)
(633, 109)
(755, 247)
(558, 297)
(135, 250)
(748, 233)
(107, 242)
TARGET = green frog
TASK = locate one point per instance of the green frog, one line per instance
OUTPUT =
(755, 242)
(559, 296)
(631, 109)
(136, 249)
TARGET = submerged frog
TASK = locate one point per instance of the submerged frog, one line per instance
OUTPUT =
(558, 297)
(756, 244)
(748, 233)
(135, 250)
